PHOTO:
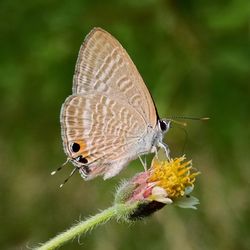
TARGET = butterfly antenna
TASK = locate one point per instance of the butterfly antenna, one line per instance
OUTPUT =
(190, 118)
(58, 169)
(185, 142)
(71, 174)
(184, 124)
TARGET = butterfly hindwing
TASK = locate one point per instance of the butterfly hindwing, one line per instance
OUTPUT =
(96, 130)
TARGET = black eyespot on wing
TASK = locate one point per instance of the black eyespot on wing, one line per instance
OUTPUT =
(82, 159)
(163, 125)
(75, 147)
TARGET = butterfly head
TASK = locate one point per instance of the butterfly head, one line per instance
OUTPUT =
(164, 125)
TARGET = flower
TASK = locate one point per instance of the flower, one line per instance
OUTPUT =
(166, 182)
(175, 177)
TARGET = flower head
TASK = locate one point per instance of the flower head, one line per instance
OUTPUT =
(166, 182)
(174, 176)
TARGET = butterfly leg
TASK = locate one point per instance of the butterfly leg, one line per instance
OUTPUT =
(166, 149)
(144, 163)
(156, 153)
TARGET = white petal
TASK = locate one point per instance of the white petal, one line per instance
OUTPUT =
(189, 189)
(163, 200)
(187, 202)
(159, 194)
(159, 191)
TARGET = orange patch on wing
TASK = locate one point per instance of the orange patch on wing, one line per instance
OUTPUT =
(82, 149)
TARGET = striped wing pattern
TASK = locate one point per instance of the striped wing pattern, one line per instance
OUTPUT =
(104, 66)
(110, 108)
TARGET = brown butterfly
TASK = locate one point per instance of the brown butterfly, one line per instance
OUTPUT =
(110, 118)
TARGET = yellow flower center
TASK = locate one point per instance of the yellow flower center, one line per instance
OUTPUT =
(174, 176)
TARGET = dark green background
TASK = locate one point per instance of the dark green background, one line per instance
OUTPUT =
(194, 57)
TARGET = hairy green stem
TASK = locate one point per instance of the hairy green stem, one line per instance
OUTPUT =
(119, 211)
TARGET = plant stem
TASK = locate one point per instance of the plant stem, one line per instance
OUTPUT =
(119, 211)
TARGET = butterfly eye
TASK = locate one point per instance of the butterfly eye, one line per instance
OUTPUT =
(75, 147)
(163, 125)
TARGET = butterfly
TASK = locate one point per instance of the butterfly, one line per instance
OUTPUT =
(110, 119)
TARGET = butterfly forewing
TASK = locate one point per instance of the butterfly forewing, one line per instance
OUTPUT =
(103, 66)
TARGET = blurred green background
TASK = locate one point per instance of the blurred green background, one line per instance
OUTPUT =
(194, 57)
